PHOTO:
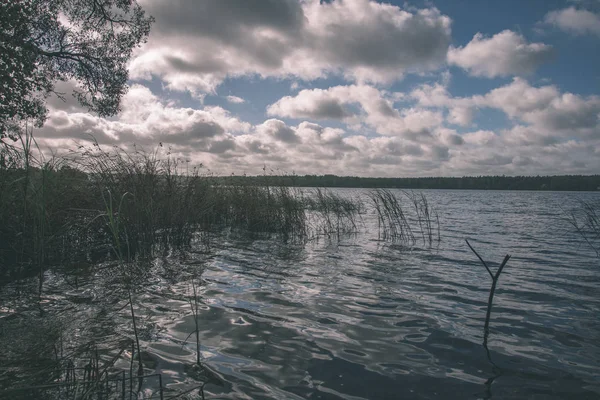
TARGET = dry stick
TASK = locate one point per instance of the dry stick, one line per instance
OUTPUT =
(137, 342)
(195, 312)
(494, 277)
(131, 371)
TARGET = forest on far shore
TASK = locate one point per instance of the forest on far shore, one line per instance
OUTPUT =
(559, 182)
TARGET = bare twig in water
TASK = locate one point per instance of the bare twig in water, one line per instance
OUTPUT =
(196, 312)
(486, 330)
(586, 221)
(137, 340)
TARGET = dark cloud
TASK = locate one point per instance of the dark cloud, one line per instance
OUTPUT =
(456, 140)
(221, 146)
(225, 20)
(279, 130)
(420, 40)
(325, 109)
(493, 160)
(205, 129)
(195, 45)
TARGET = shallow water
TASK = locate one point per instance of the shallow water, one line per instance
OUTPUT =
(363, 319)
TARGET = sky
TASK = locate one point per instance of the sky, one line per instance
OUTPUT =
(359, 87)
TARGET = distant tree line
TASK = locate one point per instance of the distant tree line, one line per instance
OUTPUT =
(562, 182)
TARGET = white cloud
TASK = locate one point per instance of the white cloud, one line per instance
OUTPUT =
(544, 107)
(461, 116)
(358, 105)
(212, 136)
(278, 130)
(235, 100)
(146, 120)
(195, 46)
(314, 104)
(575, 21)
(374, 42)
(504, 54)
(518, 97)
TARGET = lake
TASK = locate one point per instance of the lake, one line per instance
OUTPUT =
(360, 318)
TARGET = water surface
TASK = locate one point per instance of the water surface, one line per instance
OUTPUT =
(360, 318)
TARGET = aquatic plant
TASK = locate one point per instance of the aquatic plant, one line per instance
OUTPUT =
(586, 221)
(397, 225)
(50, 208)
(164, 205)
(391, 218)
(261, 209)
(426, 216)
(36, 192)
(333, 214)
(194, 301)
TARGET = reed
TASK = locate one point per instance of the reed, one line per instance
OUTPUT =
(35, 195)
(152, 203)
(165, 206)
(392, 220)
(261, 209)
(586, 221)
(333, 214)
(396, 224)
(121, 248)
(427, 217)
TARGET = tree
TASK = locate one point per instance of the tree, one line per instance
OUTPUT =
(45, 41)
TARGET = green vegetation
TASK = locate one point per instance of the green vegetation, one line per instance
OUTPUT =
(586, 221)
(126, 206)
(564, 182)
(397, 225)
(98, 205)
(86, 42)
(332, 213)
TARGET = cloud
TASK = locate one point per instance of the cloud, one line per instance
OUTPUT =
(314, 104)
(575, 21)
(146, 120)
(235, 100)
(569, 113)
(504, 54)
(449, 137)
(357, 106)
(461, 116)
(375, 42)
(278, 130)
(518, 97)
(215, 138)
(195, 46)
(546, 108)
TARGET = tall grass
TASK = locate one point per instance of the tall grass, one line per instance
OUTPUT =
(586, 221)
(35, 193)
(267, 209)
(426, 216)
(161, 207)
(50, 207)
(151, 203)
(333, 214)
(396, 224)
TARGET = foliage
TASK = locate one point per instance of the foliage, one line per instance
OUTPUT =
(99, 204)
(86, 41)
(397, 225)
(586, 221)
(333, 214)
(565, 182)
